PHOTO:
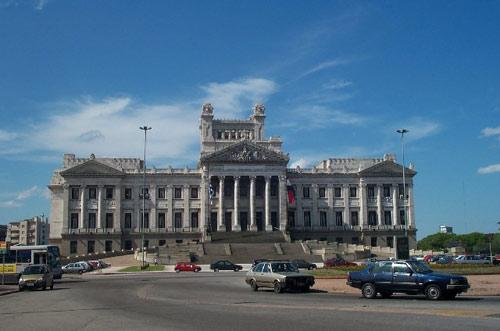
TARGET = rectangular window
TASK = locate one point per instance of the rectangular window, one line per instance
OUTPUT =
(228, 189)
(161, 193)
(322, 218)
(75, 193)
(322, 192)
(274, 188)
(307, 219)
(92, 220)
(162, 242)
(194, 220)
(145, 192)
(244, 188)
(146, 243)
(90, 247)
(355, 240)
(145, 220)
(390, 242)
(161, 220)
(92, 193)
(338, 192)
(109, 220)
(178, 220)
(354, 218)
(291, 219)
(371, 191)
(306, 192)
(373, 241)
(128, 221)
(353, 191)
(338, 218)
(109, 193)
(372, 218)
(108, 245)
(73, 247)
(387, 217)
(194, 193)
(128, 193)
(387, 191)
(74, 221)
(128, 245)
(402, 217)
(339, 240)
(177, 192)
(402, 192)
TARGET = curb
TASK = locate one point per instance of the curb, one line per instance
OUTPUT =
(8, 292)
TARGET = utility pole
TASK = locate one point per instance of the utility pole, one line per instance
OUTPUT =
(405, 202)
(145, 128)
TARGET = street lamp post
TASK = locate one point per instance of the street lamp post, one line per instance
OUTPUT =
(402, 132)
(145, 128)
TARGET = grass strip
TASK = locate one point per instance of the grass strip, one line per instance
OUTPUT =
(138, 268)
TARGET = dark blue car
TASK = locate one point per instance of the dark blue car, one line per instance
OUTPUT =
(410, 277)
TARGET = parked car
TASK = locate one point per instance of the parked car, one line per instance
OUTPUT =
(496, 259)
(445, 259)
(87, 265)
(410, 277)
(338, 261)
(187, 266)
(471, 259)
(225, 265)
(302, 264)
(36, 276)
(73, 268)
(279, 276)
(257, 261)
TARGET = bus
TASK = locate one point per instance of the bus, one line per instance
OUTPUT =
(22, 256)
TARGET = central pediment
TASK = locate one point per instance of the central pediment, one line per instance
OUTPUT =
(387, 169)
(245, 152)
(92, 168)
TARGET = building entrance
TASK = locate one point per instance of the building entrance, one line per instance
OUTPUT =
(212, 226)
(244, 221)
(259, 221)
(228, 221)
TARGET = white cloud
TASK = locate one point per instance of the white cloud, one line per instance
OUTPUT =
(110, 127)
(489, 169)
(322, 66)
(6, 136)
(317, 117)
(234, 98)
(40, 4)
(303, 163)
(336, 84)
(419, 128)
(27, 193)
(20, 197)
(488, 132)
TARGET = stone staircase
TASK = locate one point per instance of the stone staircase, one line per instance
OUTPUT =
(248, 237)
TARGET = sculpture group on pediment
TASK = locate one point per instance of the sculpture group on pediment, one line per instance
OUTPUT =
(247, 155)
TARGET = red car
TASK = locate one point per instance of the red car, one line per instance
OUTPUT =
(337, 262)
(186, 266)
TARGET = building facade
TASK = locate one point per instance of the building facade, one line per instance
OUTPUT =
(242, 183)
(34, 231)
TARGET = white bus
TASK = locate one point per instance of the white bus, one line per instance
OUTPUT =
(23, 256)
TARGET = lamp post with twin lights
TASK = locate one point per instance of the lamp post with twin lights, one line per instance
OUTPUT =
(144, 195)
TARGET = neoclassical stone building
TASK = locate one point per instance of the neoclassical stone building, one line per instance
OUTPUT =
(241, 183)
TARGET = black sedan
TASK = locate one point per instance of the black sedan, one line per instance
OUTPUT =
(302, 264)
(225, 265)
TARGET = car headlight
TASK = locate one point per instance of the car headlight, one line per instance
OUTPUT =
(21, 280)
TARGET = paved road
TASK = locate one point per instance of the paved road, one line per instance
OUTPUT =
(221, 301)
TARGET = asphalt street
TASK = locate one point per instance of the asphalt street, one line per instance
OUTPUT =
(222, 301)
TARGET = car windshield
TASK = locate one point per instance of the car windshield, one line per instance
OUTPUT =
(283, 267)
(420, 267)
(34, 270)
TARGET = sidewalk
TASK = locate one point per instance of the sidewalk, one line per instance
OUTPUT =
(8, 289)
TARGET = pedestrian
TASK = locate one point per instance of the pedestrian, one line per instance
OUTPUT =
(156, 261)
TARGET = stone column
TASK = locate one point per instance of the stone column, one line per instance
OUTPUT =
(100, 207)
(204, 203)
(331, 214)
(283, 203)
(170, 209)
(253, 226)
(83, 208)
(345, 191)
(395, 210)
(65, 209)
(299, 221)
(380, 209)
(267, 209)
(236, 213)
(363, 207)
(118, 208)
(186, 222)
(410, 218)
(220, 213)
(314, 211)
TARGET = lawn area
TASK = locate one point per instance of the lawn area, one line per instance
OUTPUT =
(138, 268)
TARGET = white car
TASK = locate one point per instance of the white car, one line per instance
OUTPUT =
(74, 268)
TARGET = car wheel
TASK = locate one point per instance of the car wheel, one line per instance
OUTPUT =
(368, 291)
(253, 285)
(277, 287)
(44, 287)
(236, 269)
(21, 288)
(216, 270)
(52, 286)
(80, 272)
(386, 294)
(310, 268)
(197, 270)
(177, 271)
(433, 292)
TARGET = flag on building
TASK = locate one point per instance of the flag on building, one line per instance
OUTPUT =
(291, 192)
(211, 193)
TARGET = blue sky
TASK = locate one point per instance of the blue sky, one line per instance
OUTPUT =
(337, 78)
